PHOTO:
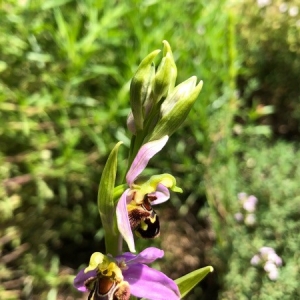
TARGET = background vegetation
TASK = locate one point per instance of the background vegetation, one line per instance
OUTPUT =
(65, 69)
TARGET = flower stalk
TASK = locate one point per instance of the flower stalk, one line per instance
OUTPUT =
(158, 108)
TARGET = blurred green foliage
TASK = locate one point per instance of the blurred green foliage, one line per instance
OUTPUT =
(270, 42)
(65, 69)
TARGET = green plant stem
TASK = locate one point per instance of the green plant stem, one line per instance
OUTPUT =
(112, 244)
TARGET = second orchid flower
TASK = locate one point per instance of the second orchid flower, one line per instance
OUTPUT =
(134, 209)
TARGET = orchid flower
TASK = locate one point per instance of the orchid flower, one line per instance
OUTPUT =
(110, 278)
(134, 208)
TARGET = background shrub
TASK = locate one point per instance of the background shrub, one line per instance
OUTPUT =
(65, 69)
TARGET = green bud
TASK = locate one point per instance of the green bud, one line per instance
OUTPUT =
(140, 88)
(176, 107)
(166, 74)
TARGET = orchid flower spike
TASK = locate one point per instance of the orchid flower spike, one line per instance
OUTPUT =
(127, 274)
(134, 209)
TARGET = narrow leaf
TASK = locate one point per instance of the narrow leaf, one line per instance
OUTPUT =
(187, 282)
(106, 205)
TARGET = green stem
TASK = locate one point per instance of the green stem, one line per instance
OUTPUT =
(134, 148)
(112, 244)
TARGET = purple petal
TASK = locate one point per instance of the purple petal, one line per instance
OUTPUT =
(150, 283)
(80, 279)
(141, 160)
(147, 256)
(123, 221)
(162, 194)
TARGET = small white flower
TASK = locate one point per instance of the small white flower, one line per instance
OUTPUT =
(266, 250)
(293, 11)
(283, 7)
(262, 3)
(273, 275)
(250, 204)
(255, 260)
(270, 261)
(273, 257)
(250, 219)
(269, 266)
(239, 217)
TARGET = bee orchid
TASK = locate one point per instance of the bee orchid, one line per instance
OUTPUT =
(109, 278)
(134, 208)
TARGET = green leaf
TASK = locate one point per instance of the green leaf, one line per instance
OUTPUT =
(106, 205)
(187, 282)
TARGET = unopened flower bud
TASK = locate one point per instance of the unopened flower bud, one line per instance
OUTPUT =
(176, 107)
(166, 74)
(140, 88)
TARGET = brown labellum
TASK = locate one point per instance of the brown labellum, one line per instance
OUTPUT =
(144, 220)
(104, 288)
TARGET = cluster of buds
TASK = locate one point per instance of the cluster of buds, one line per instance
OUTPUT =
(158, 108)
(248, 208)
(268, 260)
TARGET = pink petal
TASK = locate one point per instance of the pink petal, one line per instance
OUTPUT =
(149, 283)
(142, 158)
(80, 279)
(162, 194)
(123, 221)
(147, 256)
